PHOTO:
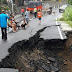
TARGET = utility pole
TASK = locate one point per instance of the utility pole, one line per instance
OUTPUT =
(12, 6)
(11, 1)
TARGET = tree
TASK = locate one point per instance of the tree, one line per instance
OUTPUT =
(3, 1)
(70, 2)
(20, 2)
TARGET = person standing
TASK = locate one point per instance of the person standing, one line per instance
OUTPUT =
(22, 11)
(0, 21)
(35, 11)
(3, 23)
(27, 16)
(39, 16)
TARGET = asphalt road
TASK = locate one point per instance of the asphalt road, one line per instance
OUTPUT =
(53, 31)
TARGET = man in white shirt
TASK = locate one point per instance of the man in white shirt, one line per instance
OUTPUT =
(27, 16)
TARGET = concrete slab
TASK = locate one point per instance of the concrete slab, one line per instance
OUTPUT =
(50, 33)
(8, 70)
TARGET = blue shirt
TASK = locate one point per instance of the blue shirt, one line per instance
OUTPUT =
(27, 14)
(3, 20)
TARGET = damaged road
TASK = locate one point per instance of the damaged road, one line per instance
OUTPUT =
(30, 31)
(34, 55)
(34, 49)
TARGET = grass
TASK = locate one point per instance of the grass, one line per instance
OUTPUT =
(67, 16)
(69, 23)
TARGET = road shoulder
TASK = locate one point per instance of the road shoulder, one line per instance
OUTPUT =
(65, 27)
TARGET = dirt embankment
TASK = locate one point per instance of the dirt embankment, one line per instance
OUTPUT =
(38, 55)
(66, 55)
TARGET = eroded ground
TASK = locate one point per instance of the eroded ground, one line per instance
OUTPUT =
(67, 55)
(35, 55)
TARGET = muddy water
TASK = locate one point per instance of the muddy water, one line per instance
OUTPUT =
(36, 55)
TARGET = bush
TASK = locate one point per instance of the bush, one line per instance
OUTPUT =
(67, 15)
(3, 1)
(7, 8)
(4, 8)
(70, 2)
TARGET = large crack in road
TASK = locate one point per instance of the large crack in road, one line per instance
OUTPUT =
(35, 55)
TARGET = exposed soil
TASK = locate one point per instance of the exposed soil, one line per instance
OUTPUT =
(38, 55)
(67, 54)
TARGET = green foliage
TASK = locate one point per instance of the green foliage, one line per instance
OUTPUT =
(21, 2)
(70, 2)
(4, 8)
(61, 19)
(3, 1)
(69, 22)
(67, 15)
(7, 8)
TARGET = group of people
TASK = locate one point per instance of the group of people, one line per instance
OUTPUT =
(14, 24)
(6, 21)
(37, 13)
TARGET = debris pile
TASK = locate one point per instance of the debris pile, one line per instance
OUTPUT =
(36, 61)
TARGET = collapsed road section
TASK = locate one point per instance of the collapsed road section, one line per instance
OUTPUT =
(35, 55)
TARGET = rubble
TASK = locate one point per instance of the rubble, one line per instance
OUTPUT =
(51, 59)
(46, 68)
(53, 68)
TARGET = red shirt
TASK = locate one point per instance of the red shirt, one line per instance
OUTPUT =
(22, 10)
(39, 14)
